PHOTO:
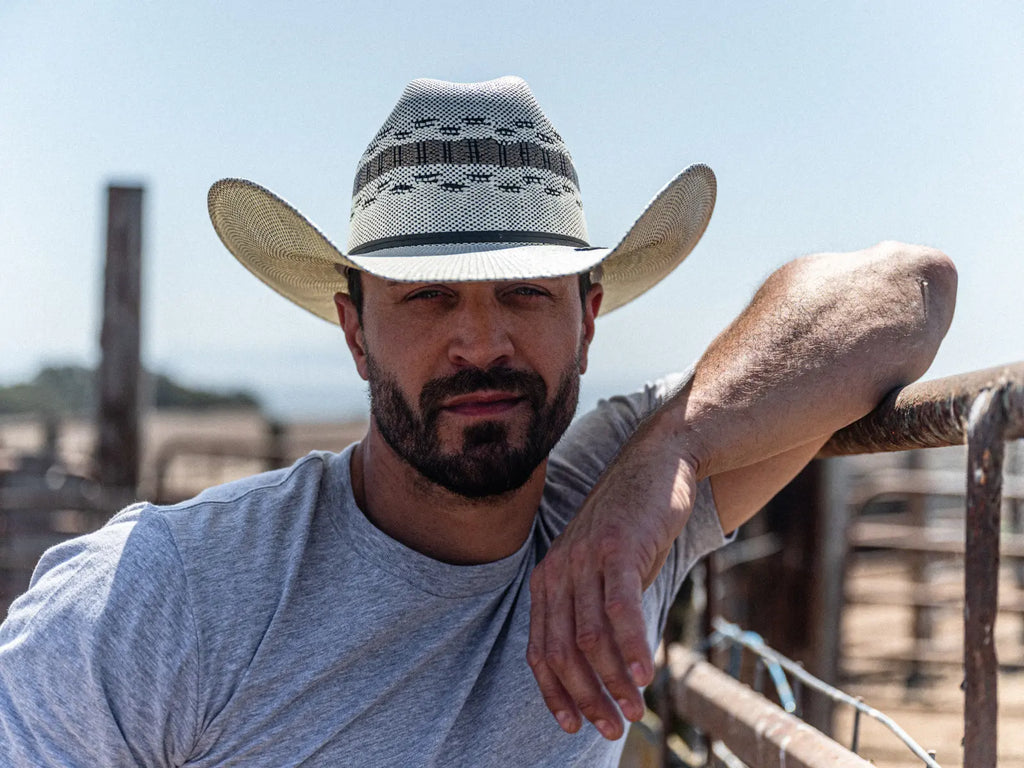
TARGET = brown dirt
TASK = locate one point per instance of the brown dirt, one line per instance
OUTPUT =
(877, 641)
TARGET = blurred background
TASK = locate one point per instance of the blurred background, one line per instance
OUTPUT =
(829, 126)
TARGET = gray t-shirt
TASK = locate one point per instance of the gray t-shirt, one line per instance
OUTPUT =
(267, 622)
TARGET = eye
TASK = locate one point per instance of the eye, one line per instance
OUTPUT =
(528, 290)
(427, 293)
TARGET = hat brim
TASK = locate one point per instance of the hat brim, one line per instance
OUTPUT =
(291, 255)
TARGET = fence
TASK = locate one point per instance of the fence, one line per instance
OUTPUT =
(982, 408)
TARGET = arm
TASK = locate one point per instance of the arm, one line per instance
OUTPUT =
(822, 341)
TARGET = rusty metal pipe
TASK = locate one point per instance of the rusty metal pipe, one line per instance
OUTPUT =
(931, 414)
(985, 448)
(755, 729)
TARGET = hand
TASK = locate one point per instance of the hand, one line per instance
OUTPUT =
(588, 648)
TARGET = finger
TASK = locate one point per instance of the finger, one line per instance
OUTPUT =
(551, 690)
(623, 605)
(596, 640)
(571, 667)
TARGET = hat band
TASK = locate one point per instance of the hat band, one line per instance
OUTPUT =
(463, 152)
(485, 236)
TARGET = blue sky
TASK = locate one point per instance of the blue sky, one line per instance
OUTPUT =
(829, 126)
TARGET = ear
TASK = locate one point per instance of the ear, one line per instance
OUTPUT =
(348, 319)
(591, 306)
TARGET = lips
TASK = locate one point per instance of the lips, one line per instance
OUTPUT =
(473, 392)
(487, 403)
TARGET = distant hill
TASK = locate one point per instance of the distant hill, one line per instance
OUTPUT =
(71, 389)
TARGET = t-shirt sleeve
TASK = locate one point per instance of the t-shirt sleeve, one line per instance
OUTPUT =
(98, 659)
(593, 442)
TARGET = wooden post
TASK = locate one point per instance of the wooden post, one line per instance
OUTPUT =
(117, 454)
(275, 446)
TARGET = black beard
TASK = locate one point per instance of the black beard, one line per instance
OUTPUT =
(487, 464)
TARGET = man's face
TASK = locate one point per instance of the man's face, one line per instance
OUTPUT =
(472, 384)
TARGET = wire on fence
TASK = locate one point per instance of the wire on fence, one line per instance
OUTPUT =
(726, 633)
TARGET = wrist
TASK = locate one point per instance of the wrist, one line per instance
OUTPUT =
(669, 432)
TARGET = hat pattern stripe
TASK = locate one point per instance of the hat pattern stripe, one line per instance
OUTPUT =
(485, 151)
(486, 236)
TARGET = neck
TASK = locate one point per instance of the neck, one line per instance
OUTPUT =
(434, 521)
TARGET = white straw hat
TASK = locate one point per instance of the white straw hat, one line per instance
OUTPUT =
(464, 182)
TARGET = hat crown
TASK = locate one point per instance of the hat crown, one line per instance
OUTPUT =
(477, 160)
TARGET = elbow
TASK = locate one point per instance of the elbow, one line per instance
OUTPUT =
(926, 278)
(940, 273)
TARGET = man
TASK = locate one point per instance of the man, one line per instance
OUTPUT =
(475, 582)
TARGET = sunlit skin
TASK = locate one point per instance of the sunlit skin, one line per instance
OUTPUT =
(417, 332)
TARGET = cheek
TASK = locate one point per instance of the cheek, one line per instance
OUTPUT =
(404, 341)
(402, 365)
(554, 345)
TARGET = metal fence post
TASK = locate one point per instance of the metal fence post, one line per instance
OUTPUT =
(985, 429)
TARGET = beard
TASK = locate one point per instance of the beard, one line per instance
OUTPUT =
(490, 461)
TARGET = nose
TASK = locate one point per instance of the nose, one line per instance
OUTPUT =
(479, 335)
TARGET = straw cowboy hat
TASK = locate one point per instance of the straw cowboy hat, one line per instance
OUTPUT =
(465, 181)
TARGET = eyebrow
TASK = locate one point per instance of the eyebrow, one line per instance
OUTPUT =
(404, 283)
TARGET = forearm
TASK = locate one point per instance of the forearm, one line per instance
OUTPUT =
(823, 340)
(820, 344)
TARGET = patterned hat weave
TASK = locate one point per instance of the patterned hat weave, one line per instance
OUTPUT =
(465, 181)
(481, 160)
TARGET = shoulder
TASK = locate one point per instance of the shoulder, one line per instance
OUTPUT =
(593, 441)
(595, 437)
(150, 599)
(171, 550)
(105, 613)
(240, 538)
(301, 481)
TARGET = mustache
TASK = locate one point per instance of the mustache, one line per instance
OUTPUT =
(469, 380)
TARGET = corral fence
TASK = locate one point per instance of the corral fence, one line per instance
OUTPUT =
(983, 409)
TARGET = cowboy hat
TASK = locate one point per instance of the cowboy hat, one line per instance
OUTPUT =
(465, 181)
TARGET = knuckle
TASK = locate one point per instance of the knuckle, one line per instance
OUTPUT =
(591, 707)
(622, 692)
(610, 544)
(618, 607)
(588, 638)
(534, 656)
(557, 656)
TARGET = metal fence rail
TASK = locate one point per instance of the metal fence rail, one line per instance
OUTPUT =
(933, 414)
(984, 409)
(757, 731)
(778, 665)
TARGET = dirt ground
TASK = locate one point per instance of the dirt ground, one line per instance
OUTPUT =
(877, 639)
